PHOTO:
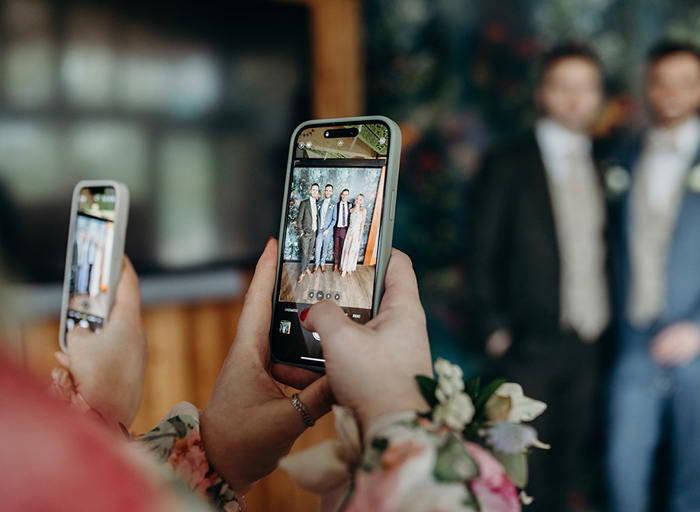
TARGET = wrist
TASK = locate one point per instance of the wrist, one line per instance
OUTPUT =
(390, 406)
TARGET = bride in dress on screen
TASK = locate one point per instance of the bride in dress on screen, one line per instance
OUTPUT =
(351, 247)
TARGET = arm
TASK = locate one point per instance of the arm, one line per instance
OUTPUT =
(300, 218)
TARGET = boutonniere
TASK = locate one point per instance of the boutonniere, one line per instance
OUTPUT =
(331, 206)
(692, 180)
(616, 180)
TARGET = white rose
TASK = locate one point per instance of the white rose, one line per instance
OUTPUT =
(455, 412)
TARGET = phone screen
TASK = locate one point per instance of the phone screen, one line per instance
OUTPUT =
(91, 258)
(332, 231)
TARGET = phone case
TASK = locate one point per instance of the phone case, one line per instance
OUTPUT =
(121, 210)
(387, 230)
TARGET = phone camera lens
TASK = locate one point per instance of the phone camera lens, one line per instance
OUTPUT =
(301, 145)
(327, 134)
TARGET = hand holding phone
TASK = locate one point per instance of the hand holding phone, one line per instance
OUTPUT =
(336, 228)
(372, 368)
(108, 368)
(99, 215)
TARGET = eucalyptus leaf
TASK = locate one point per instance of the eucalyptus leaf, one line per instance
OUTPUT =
(515, 465)
(488, 390)
(427, 388)
(471, 387)
(453, 463)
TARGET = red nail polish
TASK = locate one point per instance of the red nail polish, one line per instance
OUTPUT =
(268, 241)
(303, 314)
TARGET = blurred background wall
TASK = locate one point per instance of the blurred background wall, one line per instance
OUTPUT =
(192, 105)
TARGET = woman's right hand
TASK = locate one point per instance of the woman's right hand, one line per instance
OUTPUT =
(372, 367)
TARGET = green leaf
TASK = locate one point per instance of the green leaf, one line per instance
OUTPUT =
(486, 393)
(453, 463)
(515, 465)
(372, 458)
(471, 387)
(427, 388)
(179, 426)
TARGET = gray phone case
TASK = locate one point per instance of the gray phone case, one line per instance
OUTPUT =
(121, 220)
(387, 221)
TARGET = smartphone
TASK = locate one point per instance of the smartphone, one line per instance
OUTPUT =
(98, 219)
(336, 228)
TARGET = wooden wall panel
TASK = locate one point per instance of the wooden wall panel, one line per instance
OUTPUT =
(338, 57)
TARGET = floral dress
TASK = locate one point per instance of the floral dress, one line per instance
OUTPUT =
(353, 238)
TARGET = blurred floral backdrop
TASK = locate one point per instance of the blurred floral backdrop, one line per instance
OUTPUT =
(457, 76)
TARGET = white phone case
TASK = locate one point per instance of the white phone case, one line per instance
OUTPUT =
(121, 218)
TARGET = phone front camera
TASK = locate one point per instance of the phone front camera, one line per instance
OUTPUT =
(327, 134)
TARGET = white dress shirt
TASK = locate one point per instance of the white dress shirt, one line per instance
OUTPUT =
(343, 214)
(314, 213)
(579, 218)
(657, 192)
(324, 209)
(666, 157)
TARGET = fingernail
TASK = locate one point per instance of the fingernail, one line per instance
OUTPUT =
(303, 314)
(268, 241)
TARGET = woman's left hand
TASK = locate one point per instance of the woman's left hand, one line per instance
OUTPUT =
(249, 423)
(108, 368)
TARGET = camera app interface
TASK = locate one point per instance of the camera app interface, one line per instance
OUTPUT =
(333, 224)
(91, 257)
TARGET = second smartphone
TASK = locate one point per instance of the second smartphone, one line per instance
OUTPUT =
(99, 215)
(336, 227)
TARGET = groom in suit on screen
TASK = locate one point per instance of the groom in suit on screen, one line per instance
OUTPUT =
(327, 213)
(307, 226)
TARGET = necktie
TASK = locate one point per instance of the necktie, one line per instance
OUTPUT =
(344, 221)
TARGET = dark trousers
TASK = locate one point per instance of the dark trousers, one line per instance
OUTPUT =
(562, 371)
(338, 241)
(306, 248)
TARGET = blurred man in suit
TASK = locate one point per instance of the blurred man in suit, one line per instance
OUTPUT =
(655, 383)
(539, 278)
(327, 212)
(307, 226)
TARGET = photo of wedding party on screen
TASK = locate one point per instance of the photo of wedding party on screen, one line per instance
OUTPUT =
(332, 234)
(92, 254)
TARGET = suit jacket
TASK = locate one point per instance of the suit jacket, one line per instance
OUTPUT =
(330, 219)
(514, 259)
(305, 221)
(682, 274)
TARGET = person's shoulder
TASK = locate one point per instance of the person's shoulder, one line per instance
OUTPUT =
(505, 160)
(514, 149)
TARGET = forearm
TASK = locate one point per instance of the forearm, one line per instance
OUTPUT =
(176, 442)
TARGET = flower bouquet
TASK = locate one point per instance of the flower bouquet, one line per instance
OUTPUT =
(490, 419)
(468, 454)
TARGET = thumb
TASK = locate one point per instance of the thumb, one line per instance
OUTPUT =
(325, 318)
(317, 398)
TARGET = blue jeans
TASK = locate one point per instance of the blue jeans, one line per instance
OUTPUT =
(648, 403)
